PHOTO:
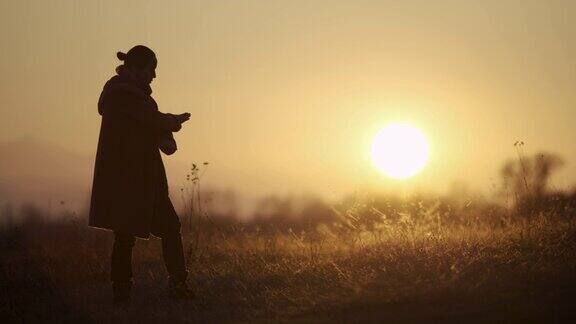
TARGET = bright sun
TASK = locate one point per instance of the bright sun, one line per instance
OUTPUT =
(399, 151)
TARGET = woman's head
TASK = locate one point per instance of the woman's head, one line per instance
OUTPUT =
(141, 61)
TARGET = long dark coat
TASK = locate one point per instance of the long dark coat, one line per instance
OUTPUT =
(129, 176)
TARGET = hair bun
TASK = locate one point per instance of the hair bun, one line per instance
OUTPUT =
(121, 56)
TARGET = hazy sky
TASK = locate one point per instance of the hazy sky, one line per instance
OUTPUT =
(287, 95)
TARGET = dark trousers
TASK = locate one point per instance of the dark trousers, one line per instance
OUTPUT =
(166, 225)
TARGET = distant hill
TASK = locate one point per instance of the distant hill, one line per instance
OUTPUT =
(41, 172)
(49, 175)
(52, 176)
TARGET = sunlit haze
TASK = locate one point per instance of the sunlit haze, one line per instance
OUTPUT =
(286, 96)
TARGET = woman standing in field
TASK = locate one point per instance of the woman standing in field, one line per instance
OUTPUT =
(130, 190)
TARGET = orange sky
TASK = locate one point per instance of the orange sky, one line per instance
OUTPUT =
(286, 96)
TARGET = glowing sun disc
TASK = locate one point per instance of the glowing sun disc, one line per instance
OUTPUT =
(399, 151)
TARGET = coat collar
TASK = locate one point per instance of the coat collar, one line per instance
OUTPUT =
(125, 76)
(124, 81)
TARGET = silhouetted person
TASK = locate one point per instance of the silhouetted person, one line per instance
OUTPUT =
(130, 190)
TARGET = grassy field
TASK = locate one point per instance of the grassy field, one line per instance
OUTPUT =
(521, 270)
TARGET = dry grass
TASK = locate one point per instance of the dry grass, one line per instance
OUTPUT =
(523, 270)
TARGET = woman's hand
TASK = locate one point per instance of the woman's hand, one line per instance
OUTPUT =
(167, 144)
(183, 117)
(178, 120)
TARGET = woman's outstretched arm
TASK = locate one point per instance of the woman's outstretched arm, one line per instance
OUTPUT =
(133, 107)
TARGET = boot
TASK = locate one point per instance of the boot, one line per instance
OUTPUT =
(121, 291)
(179, 289)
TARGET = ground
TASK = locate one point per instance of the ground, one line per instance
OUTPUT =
(520, 272)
